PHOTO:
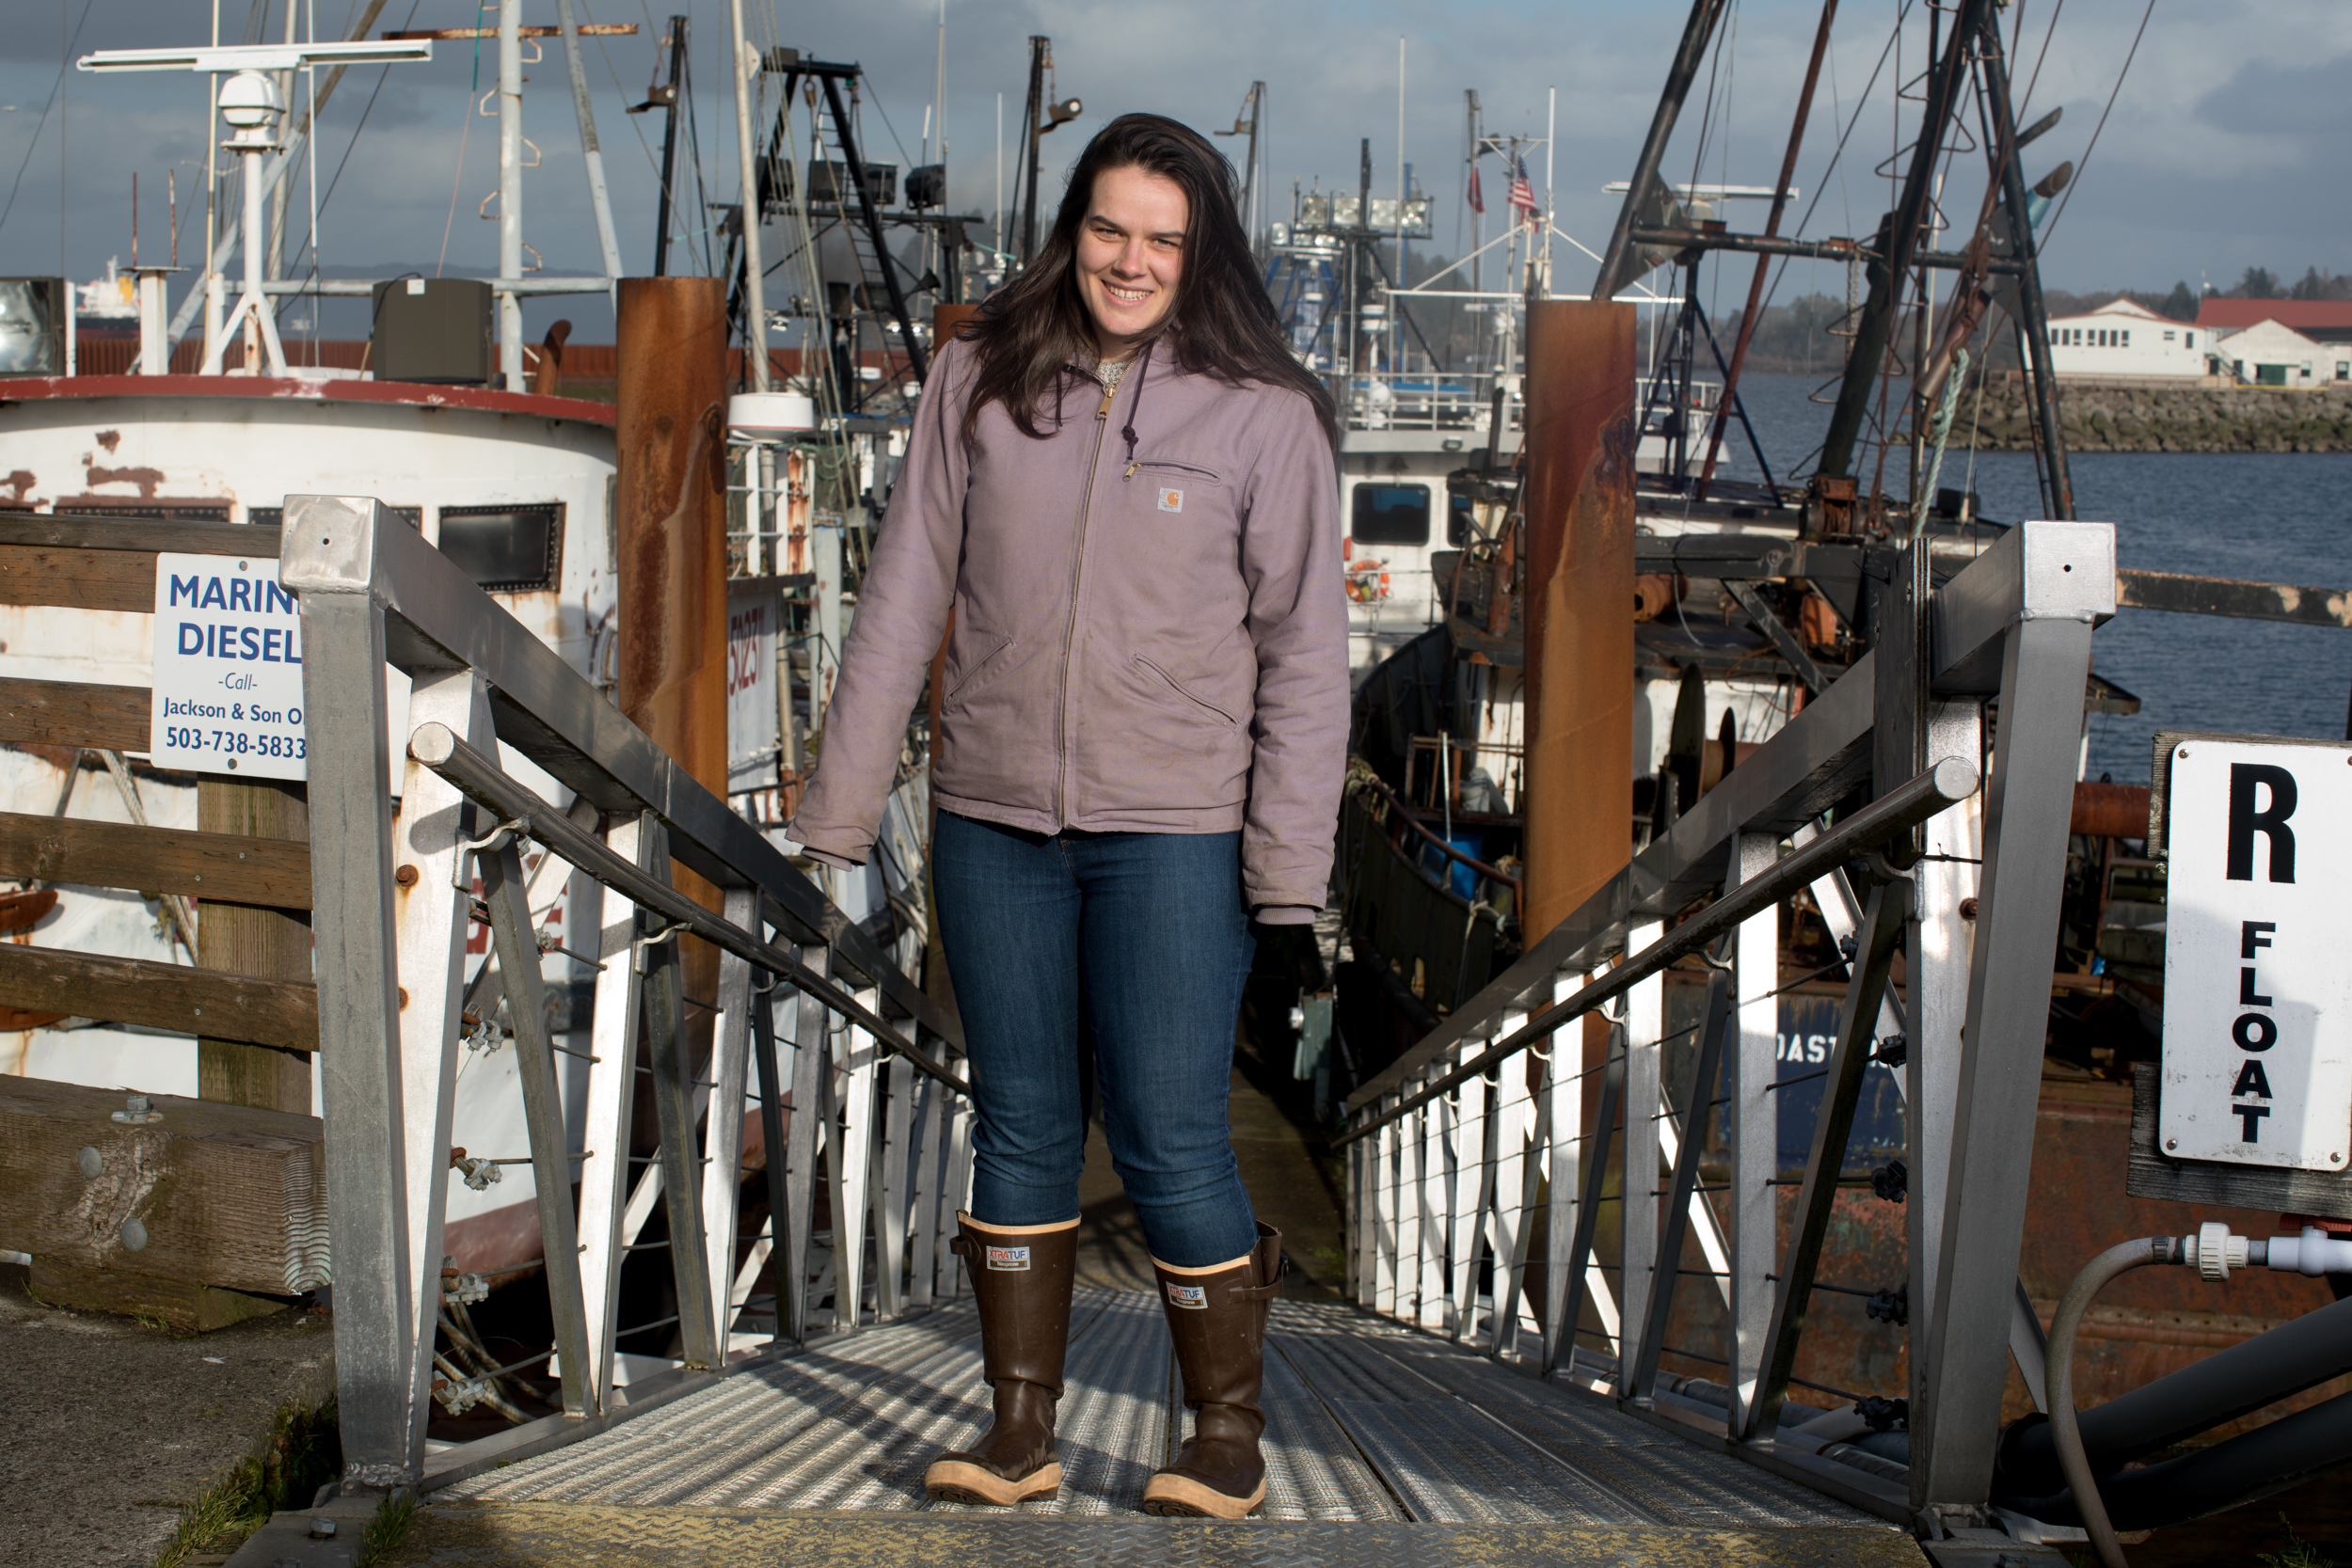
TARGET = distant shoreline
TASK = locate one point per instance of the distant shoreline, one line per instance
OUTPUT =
(2149, 419)
(2189, 419)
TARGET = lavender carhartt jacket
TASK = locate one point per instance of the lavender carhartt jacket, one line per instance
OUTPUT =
(1150, 639)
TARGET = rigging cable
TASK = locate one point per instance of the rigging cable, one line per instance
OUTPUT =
(42, 123)
(472, 105)
(2076, 184)
(1837, 152)
(370, 109)
(2047, 34)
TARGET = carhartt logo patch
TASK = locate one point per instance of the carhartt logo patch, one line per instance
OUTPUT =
(1171, 500)
(1014, 1258)
(1194, 1296)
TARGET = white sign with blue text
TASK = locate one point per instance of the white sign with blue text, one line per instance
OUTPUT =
(2257, 983)
(228, 668)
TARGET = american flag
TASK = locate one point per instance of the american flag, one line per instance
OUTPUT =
(1523, 193)
(1477, 196)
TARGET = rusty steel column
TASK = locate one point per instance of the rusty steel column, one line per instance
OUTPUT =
(1578, 502)
(671, 499)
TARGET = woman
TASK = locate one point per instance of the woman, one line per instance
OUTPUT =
(1121, 485)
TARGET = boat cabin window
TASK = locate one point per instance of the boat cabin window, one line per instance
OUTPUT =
(1460, 528)
(506, 549)
(1390, 514)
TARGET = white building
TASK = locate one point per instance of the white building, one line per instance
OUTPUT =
(2123, 341)
(2271, 354)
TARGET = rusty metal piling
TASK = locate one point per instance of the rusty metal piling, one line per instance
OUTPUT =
(670, 524)
(1579, 506)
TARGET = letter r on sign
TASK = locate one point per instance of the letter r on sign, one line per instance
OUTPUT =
(2270, 821)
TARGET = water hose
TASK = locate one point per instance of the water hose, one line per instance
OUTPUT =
(2101, 1270)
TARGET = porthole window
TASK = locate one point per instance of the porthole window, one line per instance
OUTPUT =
(506, 549)
(1390, 514)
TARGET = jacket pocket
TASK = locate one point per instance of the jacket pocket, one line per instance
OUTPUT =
(977, 674)
(1186, 693)
(1170, 468)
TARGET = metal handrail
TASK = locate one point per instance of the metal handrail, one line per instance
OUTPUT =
(1486, 1142)
(479, 779)
(858, 1117)
(1943, 786)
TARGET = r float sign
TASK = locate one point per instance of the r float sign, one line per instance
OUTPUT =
(2257, 974)
(228, 668)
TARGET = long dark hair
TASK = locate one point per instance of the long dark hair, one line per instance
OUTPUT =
(1222, 323)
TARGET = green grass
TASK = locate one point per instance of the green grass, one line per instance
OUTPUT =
(2298, 1553)
(393, 1518)
(303, 1454)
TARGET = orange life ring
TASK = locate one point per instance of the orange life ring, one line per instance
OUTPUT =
(1367, 581)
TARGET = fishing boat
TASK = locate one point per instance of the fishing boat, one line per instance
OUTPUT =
(188, 433)
(1751, 598)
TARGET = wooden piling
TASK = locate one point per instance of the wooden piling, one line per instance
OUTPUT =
(253, 941)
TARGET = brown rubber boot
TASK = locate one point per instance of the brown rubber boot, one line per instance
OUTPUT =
(1022, 1279)
(1218, 1322)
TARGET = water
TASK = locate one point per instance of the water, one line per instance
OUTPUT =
(2263, 517)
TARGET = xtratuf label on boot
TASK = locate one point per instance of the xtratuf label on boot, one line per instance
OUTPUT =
(1194, 1296)
(1012, 1257)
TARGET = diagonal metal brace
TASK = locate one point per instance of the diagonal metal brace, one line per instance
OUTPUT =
(1697, 1102)
(1783, 639)
(1881, 934)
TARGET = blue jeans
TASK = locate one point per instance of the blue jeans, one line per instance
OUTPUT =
(1133, 946)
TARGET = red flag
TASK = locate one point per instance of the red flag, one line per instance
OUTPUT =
(1477, 197)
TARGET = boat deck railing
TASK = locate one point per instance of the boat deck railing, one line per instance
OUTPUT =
(1455, 400)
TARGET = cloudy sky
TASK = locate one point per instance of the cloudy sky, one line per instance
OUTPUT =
(2222, 148)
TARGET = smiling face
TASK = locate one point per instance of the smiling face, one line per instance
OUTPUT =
(1131, 252)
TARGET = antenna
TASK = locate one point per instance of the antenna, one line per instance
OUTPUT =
(253, 106)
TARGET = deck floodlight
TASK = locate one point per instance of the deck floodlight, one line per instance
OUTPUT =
(1061, 113)
(251, 101)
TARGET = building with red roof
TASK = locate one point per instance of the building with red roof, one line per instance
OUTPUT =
(2322, 321)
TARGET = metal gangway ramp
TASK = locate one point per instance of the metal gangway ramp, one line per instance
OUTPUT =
(1484, 1396)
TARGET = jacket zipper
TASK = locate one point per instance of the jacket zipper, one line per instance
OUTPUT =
(1070, 636)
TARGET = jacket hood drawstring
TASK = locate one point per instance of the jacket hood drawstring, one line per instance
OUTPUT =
(1127, 431)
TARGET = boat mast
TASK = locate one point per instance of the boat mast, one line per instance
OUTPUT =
(1248, 126)
(753, 212)
(273, 257)
(2033, 324)
(1617, 264)
(1469, 96)
(1040, 54)
(1763, 263)
(511, 192)
(666, 98)
(597, 197)
(1898, 240)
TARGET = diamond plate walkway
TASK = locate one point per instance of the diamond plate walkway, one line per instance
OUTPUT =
(1382, 1445)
